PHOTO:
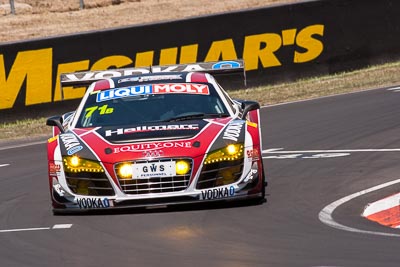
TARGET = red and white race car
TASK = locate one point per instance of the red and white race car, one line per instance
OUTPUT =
(155, 139)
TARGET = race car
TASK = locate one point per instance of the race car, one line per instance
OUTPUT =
(152, 137)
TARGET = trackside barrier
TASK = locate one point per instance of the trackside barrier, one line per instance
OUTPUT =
(278, 43)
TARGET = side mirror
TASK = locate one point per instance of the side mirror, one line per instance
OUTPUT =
(249, 106)
(55, 121)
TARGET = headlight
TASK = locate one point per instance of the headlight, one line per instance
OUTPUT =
(228, 153)
(76, 164)
(182, 167)
(124, 170)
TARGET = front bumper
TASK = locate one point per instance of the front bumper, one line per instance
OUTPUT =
(249, 187)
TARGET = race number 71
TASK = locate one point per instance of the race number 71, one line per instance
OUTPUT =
(104, 109)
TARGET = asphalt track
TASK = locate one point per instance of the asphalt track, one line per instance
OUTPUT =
(317, 153)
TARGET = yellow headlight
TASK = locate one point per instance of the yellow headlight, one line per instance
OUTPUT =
(228, 153)
(182, 167)
(74, 161)
(76, 164)
(125, 170)
(232, 149)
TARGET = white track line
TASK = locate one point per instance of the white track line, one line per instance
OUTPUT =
(325, 215)
(25, 229)
(394, 89)
(56, 226)
(22, 145)
(4, 165)
(62, 226)
(279, 151)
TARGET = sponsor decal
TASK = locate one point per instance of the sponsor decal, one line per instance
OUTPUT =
(250, 176)
(94, 202)
(152, 146)
(153, 154)
(232, 131)
(188, 88)
(218, 193)
(226, 65)
(154, 128)
(172, 88)
(253, 154)
(59, 190)
(150, 78)
(156, 169)
(123, 92)
(54, 168)
(71, 143)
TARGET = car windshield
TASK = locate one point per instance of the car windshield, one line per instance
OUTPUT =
(125, 106)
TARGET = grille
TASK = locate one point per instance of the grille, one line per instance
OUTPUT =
(89, 183)
(221, 173)
(154, 185)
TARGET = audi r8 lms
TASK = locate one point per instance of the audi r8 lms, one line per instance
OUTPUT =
(154, 139)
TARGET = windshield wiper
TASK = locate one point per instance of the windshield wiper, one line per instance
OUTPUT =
(196, 116)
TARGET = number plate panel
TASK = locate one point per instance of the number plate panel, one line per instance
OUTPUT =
(153, 169)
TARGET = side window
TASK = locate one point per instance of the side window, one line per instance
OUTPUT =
(226, 96)
(234, 105)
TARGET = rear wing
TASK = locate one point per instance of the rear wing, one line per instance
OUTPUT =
(85, 78)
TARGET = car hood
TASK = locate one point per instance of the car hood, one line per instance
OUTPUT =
(151, 131)
(192, 138)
